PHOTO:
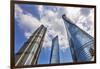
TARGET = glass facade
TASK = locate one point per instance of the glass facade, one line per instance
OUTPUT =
(29, 53)
(55, 51)
(80, 42)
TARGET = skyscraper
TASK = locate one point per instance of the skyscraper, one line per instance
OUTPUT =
(54, 58)
(29, 52)
(81, 44)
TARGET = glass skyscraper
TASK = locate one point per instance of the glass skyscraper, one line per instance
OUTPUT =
(81, 44)
(54, 58)
(29, 52)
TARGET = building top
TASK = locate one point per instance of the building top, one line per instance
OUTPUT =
(67, 19)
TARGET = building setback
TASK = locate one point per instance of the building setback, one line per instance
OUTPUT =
(54, 58)
(81, 44)
(29, 52)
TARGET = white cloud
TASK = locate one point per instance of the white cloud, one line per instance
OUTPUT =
(86, 22)
(27, 22)
(51, 17)
(73, 13)
(27, 34)
(40, 7)
(18, 11)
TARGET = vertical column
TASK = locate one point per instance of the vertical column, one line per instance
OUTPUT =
(55, 51)
(31, 48)
(39, 43)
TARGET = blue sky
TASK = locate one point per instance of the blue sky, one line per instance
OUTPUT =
(19, 37)
(29, 17)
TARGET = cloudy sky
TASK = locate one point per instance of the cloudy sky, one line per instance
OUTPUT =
(29, 17)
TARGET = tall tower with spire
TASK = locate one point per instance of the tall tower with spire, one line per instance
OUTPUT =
(81, 44)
